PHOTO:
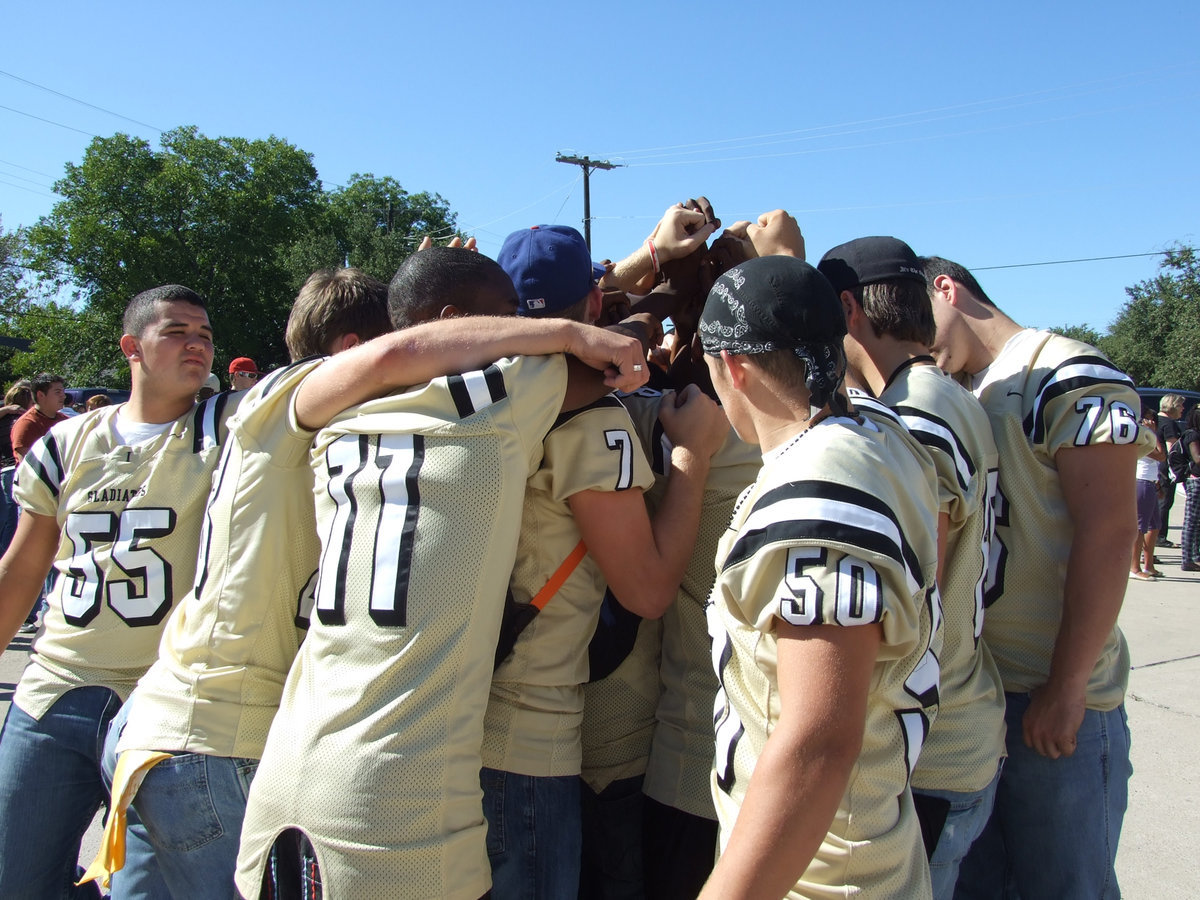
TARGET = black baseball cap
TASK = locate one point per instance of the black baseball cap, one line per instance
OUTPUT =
(869, 260)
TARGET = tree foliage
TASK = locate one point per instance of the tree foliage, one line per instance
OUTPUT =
(1084, 333)
(372, 224)
(1156, 336)
(215, 214)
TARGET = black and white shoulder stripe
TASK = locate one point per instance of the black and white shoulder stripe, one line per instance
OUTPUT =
(45, 460)
(476, 391)
(935, 432)
(825, 512)
(1070, 375)
(208, 421)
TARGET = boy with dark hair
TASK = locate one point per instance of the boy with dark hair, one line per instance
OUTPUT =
(417, 498)
(114, 500)
(1066, 427)
(49, 396)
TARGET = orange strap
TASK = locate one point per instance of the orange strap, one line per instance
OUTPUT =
(561, 574)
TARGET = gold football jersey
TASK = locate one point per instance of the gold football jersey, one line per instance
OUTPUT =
(536, 704)
(1043, 393)
(967, 740)
(838, 529)
(679, 768)
(226, 651)
(130, 517)
(375, 752)
(618, 713)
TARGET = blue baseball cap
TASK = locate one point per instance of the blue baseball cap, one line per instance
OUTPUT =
(550, 266)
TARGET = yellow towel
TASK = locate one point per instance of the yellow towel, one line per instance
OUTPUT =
(132, 766)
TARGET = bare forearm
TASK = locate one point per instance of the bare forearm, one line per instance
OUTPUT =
(1092, 598)
(632, 270)
(675, 526)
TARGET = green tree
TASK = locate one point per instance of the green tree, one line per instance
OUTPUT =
(1085, 333)
(216, 214)
(1156, 336)
(372, 224)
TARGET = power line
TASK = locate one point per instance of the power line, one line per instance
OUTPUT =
(877, 119)
(48, 121)
(26, 168)
(1063, 262)
(80, 102)
(21, 187)
(26, 179)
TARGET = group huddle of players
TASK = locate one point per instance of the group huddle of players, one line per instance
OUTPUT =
(433, 612)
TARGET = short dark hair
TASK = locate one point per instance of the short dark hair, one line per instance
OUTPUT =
(41, 382)
(140, 312)
(431, 279)
(333, 303)
(783, 367)
(899, 309)
(936, 265)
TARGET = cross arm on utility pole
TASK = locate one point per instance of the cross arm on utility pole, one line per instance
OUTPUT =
(587, 165)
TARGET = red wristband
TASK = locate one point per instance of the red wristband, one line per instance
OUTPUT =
(653, 255)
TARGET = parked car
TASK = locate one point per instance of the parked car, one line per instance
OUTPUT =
(81, 394)
(1153, 396)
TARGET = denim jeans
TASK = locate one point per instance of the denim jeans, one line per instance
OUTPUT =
(533, 836)
(8, 508)
(1055, 826)
(969, 812)
(192, 807)
(50, 789)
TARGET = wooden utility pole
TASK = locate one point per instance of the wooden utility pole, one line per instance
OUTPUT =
(587, 165)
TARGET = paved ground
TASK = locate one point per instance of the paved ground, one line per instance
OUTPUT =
(1161, 620)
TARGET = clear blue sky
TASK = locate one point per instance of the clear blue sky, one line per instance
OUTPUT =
(995, 135)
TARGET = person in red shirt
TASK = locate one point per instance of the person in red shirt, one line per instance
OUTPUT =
(49, 395)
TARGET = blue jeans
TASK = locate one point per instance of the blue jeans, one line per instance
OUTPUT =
(533, 838)
(50, 789)
(1056, 823)
(8, 508)
(969, 812)
(192, 807)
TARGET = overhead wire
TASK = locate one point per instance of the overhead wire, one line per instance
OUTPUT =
(868, 121)
(51, 90)
(48, 121)
(908, 140)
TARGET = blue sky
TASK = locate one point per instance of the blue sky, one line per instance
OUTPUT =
(994, 135)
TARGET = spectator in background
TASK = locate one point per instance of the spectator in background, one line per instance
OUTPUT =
(212, 385)
(18, 399)
(49, 395)
(96, 401)
(1170, 409)
(1148, 512)
(243, 372)
(1191, 515)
